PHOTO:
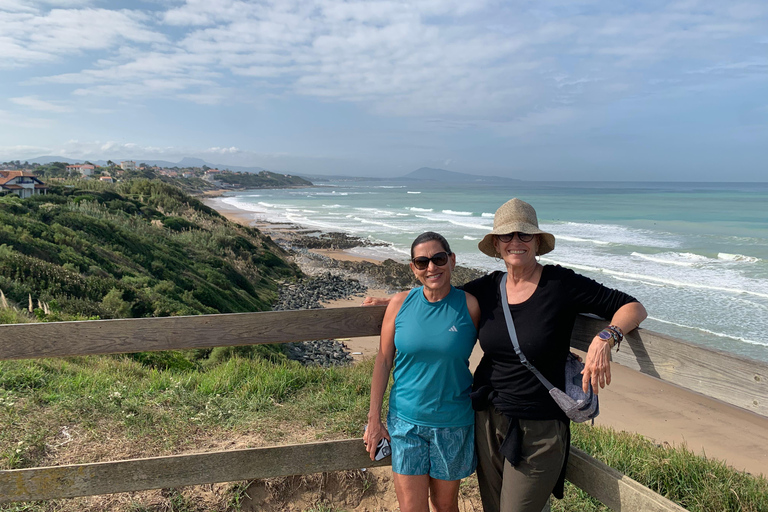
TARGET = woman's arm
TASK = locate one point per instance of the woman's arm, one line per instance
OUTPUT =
(597, 367)
(376, 301)
(474, 309)
(381, 370)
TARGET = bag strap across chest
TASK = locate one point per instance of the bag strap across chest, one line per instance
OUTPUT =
(513, 334)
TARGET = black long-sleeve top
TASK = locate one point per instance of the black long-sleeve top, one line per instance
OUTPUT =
(544, 323)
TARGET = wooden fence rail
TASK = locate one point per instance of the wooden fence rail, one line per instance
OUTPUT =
(738, 381)
(617, 491)
(734, 380)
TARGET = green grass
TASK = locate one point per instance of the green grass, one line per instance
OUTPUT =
(44, 403)
(163, 407)
(692, 481)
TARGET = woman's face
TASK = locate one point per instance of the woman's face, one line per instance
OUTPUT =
(433, 277)
(516, 253)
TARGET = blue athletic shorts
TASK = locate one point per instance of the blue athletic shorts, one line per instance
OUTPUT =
(446, 453)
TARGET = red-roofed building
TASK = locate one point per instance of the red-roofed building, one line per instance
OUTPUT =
(22, 183)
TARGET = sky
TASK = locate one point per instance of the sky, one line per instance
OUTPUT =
(534, 90)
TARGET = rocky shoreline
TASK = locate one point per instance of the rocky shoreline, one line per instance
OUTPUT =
(332, 279)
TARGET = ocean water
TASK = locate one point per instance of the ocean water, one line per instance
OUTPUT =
(695, 254)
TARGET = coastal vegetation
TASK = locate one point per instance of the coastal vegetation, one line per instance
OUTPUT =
(189, 179)
(136, 249)
(263, 179)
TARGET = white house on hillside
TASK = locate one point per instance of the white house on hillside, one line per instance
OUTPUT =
(22, 183)
(128, 165)
(84, 169)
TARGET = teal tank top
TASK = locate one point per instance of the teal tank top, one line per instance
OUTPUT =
(431, 379)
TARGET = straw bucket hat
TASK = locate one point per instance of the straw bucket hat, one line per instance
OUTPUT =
(516, 215)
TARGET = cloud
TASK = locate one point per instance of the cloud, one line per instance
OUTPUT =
(14, 121)
(463, 62)
(112, 149)
(754, 66)
(533, 123)
(36, 103)
(223, 151)
(32, 35)
(21, 151)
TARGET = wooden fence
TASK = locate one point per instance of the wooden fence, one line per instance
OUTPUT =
(738, 381)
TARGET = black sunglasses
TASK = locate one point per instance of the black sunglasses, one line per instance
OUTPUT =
(439, 259)
(523, 237)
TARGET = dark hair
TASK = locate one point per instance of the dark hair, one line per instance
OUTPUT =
(428, 237)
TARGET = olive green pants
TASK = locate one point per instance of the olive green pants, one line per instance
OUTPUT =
(527, 486)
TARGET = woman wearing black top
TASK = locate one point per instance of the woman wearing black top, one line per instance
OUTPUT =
(522, 437)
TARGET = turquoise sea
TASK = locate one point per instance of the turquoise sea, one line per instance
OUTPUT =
(695, 254)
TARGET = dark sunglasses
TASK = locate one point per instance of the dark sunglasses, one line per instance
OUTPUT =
(523, 237)
(439, 259)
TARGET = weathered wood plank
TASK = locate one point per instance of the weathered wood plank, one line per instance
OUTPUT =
(600, 481)
(732, 379)
(59, 339)
(613, 489)
(181, 470)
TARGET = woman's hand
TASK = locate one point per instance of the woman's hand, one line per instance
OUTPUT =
(597, 368)
(376, 301)
(373, 434)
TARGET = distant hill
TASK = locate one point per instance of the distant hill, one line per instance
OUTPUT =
(430, 174)
(49, 159)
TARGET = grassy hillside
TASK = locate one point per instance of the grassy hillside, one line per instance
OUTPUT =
(136, 249)
(88, 409)
(263, 179)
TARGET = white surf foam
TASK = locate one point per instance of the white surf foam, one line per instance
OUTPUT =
(603, 234)
(377, 223)
(242, 205)
(577, 239)
(306, 221)
(737, 257)
(445, 219)
(709, 331)
(648, 279)
(452, 212)
(683, 259)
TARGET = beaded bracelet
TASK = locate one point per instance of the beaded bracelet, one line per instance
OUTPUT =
(617, 334)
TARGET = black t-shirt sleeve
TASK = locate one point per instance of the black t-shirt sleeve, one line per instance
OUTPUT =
(589, 296)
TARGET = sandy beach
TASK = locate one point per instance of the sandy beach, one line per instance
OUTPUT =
(634, 402)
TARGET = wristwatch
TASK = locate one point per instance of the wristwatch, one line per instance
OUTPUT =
(607, 336)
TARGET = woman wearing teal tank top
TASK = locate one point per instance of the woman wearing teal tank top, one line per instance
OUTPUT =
(427, 335)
